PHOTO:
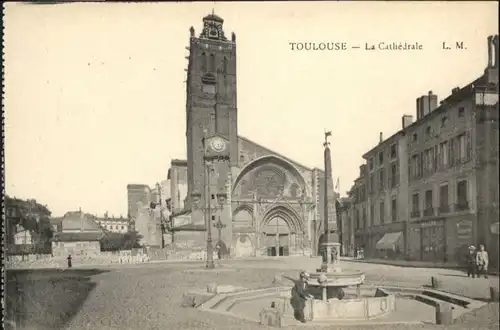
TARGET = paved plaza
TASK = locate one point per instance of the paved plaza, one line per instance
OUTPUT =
(149, 296)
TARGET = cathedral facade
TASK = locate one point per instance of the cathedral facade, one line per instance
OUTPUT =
(256, 201)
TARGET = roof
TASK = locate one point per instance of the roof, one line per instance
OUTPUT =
(179, 162)
(275, 153)
(78, 237)
(79, 220)
(455, 97)
(213, 17)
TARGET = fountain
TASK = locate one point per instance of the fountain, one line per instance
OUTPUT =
(327, 284)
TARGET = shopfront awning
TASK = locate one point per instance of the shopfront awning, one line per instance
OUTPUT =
(389, 241)
(494, 228)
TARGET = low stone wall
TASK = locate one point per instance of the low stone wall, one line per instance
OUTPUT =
(352, 309)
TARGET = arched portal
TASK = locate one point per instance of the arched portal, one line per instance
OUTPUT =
(279, 228)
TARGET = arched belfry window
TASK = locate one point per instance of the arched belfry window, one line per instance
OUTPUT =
(224, 64)
(211, 63)
(203, 62)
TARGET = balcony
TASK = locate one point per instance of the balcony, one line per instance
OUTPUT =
(443, 209)
(415, 214)
(462, 206)
(429, 211)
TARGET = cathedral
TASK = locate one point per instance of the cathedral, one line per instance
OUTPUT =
(256, 201)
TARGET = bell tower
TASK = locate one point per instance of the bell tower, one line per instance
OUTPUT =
(211, 113)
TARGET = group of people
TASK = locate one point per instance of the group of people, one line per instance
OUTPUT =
(477, 262)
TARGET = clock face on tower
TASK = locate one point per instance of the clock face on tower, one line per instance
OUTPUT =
(218, 144)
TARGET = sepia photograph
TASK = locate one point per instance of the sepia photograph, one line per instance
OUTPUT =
(250, 165)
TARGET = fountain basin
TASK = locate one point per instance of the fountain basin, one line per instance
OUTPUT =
(338, 279)
(363, 307)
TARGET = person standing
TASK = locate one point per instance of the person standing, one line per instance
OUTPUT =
(299, 297)
(470, 260)
(69, 261)
(482, 262)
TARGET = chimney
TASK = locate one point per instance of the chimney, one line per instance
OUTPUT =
(491, 72)
(406, 121)
(455, 90)
(381, 137)
(426, 104)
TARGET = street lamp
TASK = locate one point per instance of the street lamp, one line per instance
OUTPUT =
(206, 207)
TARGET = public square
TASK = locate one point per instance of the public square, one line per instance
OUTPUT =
(149, 296)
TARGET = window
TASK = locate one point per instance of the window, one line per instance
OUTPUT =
(416, 166)
(393, 151)
(203, 62)
(213, 217)
(444, 122)
(443, 154)
(356, 211)
(224, 64)
(462, 198)
(461, 112)
(372, 184)
(372, 215)
(123, 227)
(370, 164)
(415, 137)
(213, 196)
(381, 158)
(461, 150)
(363, 193)
(415, 201)
(394, 175)
(381, 179)
(428, 131)
(211, 64)
(429, 160)
(429, 210)
(382, 212)
(394, 209)
(364, 216)
(443, 199)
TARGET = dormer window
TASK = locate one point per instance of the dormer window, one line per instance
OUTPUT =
(444, 121)
(428, 131)
(461, 112)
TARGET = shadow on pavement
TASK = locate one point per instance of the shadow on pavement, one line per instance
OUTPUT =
(46, 298)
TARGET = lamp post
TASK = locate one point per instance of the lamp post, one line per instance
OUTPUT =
(204, 204)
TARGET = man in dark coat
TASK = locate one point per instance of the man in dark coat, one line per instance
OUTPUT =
(471, 262)
(299, 297)
(69, 261)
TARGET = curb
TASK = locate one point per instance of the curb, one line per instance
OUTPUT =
(411, 265)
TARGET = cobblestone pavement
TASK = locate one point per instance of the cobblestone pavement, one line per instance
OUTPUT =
(149, 296)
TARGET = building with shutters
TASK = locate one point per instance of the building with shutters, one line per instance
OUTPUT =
(432, 187)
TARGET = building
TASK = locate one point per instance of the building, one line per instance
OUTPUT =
(387, 196)
(80, 235)
(136, 193)
(262, 203)
(433, 185)
(114, 225)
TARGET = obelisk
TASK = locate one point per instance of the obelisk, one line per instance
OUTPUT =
(330, 244)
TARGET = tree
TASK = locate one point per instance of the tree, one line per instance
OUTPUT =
(31, 216)
(120, 241)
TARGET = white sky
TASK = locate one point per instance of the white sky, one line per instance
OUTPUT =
(95, 99)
